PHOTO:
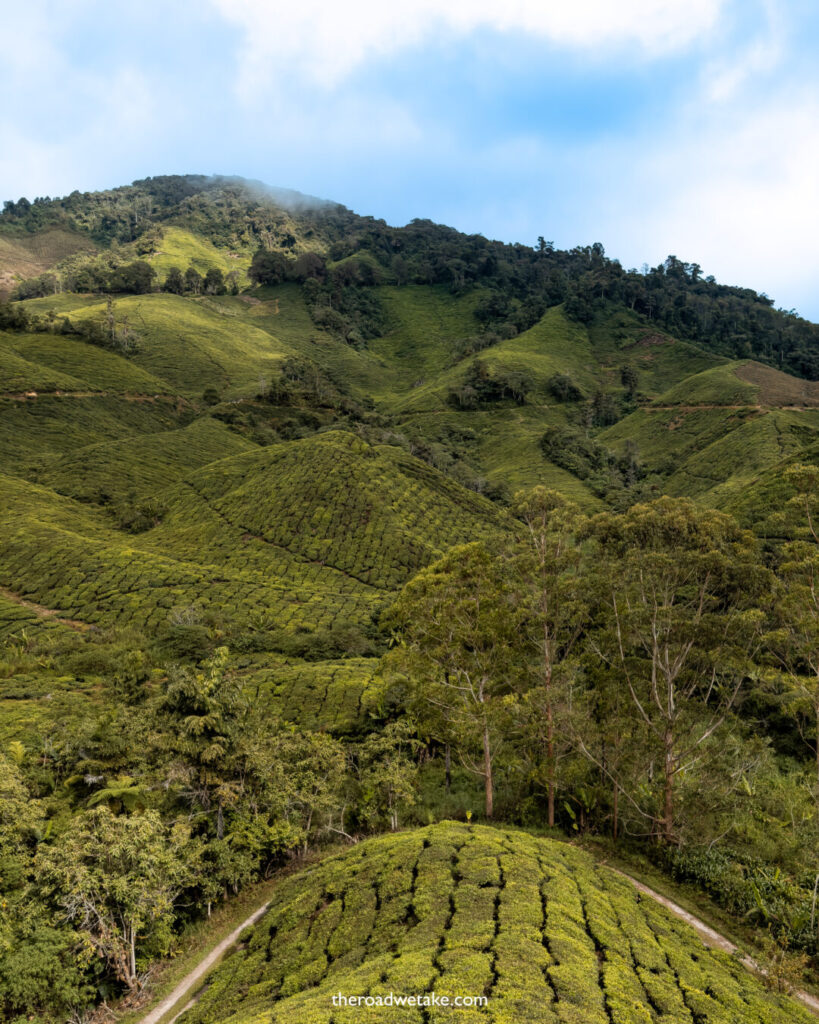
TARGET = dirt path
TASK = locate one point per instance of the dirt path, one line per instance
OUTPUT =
(713, 938)
(188, 984)
(43, 613)
(128, 396)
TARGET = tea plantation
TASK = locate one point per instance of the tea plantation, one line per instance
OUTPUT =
(535, 925)
(259, 457)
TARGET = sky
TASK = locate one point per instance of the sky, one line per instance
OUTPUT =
(657, 127)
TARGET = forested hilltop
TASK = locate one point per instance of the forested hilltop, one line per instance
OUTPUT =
(314, 529)
(519, 282)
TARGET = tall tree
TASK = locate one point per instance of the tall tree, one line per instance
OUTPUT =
(552, 592)
(680, 621)
(116, 879)
(457, 629)
(174, 282)
(198, 719)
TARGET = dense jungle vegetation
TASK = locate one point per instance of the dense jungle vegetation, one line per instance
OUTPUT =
(315, 529)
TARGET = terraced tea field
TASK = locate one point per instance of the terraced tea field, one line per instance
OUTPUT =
(331, 695)
(308, 534)
(534, 925)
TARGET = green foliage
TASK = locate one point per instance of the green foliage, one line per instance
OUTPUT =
(456, 624)
(481, 386)
(116, 879)
(680, 618)
(134, 278)
(563, 388)
(266, 470)
(588, 459)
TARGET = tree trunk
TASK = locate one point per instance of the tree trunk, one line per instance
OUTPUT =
(132, 980)
(448, 767)
(616, 817)
(668, 789)
(220, 823)
(487, 772)
(550, 759)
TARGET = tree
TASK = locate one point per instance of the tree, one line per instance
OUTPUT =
(679, 622)
(309, 265)
(313, 773)
(629, 378)
(268, 267)
(193, 281)
(174, 282)
(117, 879)
(548, 568)
(199, 716)
(456, 627)
(214, 283)
(387, 772)
(134, 278)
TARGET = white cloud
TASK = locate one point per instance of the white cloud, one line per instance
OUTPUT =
(725, 77)
(736, 191)
(324, 41)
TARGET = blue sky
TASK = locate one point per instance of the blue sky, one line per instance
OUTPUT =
(654, 126)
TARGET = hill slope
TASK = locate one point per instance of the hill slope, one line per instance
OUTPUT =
(534, 925)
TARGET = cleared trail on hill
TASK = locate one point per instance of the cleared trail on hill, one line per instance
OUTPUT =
(43, 612)
(192, 978)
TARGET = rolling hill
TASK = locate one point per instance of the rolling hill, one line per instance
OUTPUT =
(468, 911)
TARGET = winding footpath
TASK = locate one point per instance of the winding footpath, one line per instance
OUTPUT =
(713, 938)
(188, 985)
(191, 980)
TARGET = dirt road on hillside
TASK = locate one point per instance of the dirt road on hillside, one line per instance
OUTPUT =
(188, 985)
(713, 938)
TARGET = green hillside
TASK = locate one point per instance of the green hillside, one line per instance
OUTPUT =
(313, 528)
(531, 924)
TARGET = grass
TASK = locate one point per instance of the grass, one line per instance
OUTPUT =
(425, 322)
(661, 361)
(552, 346)
(685, 895)
(34, 431)
(96, 368)
(370, 512)
(19, 373)
(183, 249)
(140, 467)
(332, 695)
(779, 389)
(315, 534)
(535, 925)
(64, 556)
(281, 310)
(194, 344)
(731, 464)
(718, 386)
(27, 255)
